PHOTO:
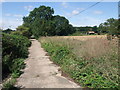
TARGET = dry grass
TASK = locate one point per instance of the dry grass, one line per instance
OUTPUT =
(84, 38)
(87, 46)
(96, 50)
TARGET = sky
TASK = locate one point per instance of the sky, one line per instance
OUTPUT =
(13, 12)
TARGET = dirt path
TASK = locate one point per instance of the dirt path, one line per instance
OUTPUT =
(40, 72)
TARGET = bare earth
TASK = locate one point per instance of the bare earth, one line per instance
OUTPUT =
(40, 72)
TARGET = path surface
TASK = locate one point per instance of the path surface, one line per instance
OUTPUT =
(40, 72)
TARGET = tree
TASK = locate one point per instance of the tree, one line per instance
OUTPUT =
(38, 19)
(22, 30)
(8, 31)
(42, 23)
(102, 28)
(95, 29)
(62, 26)
(110, 27)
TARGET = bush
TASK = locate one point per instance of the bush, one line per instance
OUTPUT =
(14, 48)
(77, 33)
(25, 33)
(9, 85)
(15, 45)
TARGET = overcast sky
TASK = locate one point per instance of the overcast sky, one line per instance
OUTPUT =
(13, 12)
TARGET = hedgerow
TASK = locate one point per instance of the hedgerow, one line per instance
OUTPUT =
(14, 51)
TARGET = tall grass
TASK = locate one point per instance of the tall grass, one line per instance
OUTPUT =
(91, 62)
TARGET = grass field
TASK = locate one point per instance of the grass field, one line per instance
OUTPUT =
(83, 38)
(92, 61)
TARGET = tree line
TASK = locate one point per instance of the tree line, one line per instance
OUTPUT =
(42, 22)
(110, 27)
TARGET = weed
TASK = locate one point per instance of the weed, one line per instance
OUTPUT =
(92, 63)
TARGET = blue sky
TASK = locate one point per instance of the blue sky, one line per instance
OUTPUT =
(12, 12)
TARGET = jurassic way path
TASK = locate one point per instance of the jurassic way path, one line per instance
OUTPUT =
(40, 72)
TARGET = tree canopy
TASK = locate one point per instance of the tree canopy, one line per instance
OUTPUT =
(7, 31)
(110, 27)
(42, 23)
(22, 30)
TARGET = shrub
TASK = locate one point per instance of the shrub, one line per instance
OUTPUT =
(9, 85)
(14, 47)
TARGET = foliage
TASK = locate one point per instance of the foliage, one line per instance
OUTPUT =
(62, 26)
(83, 30)
(15, 45)
(9, 85)
(14, 48)
(94, 71)
(7, 31)
(22, 30)
(110, 27)
(78, 33)
(42, 23)
(37, 20)
(14, 51)
(18, 64)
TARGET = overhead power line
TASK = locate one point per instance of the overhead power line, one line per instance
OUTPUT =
(89, 7)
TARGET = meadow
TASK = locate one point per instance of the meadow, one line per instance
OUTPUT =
(91, 61)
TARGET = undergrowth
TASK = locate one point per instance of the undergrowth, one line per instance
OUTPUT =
(97, 71)
(14, 52)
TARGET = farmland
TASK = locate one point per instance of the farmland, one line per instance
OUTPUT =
(83, 38)
(92, 61)
(50, 50)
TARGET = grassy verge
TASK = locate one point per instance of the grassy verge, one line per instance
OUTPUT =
(91, 63)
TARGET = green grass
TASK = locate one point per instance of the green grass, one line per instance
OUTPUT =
(92, 63)
(9, 85)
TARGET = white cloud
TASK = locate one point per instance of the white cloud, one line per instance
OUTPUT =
(80, 9)
(2, 0)
(97, 12)
(86, 21)
(28, 8)
(14, 15)
(64, 4)
(18, 15)
(8, 14)
(11, 23)
(92, 20)
(75, 12)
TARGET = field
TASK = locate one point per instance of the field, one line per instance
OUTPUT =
(92, 61)
(84, 38)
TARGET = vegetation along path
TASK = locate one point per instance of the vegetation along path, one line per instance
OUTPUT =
(40, 72)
